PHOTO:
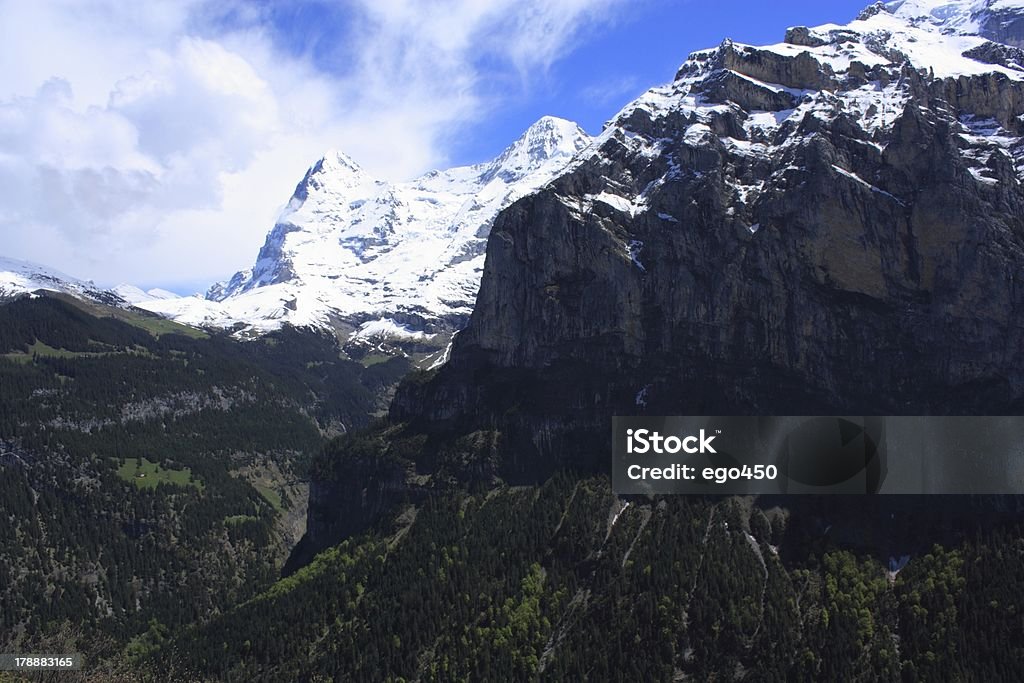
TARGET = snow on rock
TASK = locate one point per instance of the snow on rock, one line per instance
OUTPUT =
(443, 357)
(757, 103)
(633, 250)
(617, 508)
(931, 35)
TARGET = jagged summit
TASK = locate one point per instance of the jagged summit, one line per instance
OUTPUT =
(336, 160)
(548, 138)
(335, 170)
(377, 259)
(864, 73)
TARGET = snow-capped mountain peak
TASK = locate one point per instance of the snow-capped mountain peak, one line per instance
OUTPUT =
(375, 258)
(334, 170)
(549, 138)
(336, 160)
(333, 174)
(770, 110)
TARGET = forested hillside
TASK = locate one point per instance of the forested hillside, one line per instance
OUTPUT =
(152, 475)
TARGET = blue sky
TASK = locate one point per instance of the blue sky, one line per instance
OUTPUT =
(154, 143)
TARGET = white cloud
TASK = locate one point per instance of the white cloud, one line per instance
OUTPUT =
(140, 142)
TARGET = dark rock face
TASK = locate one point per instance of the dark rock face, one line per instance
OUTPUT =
(801, 35)
(801, 72)
(699, 264)
(730, 86)
(363, 485)
(997, 53)
(985, 96)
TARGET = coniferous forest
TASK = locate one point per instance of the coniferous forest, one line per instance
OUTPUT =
(538, 583)
(151, 475)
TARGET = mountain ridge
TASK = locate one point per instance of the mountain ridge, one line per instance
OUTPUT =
(388, 267)
(19, 278)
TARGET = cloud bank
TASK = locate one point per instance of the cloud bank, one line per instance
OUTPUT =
(155, 142)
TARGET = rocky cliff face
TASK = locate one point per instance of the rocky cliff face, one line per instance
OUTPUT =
(827, 225)
(362, 487)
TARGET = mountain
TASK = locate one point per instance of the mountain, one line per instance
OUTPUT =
(828, 225)
(374, 259)
(23, 277)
